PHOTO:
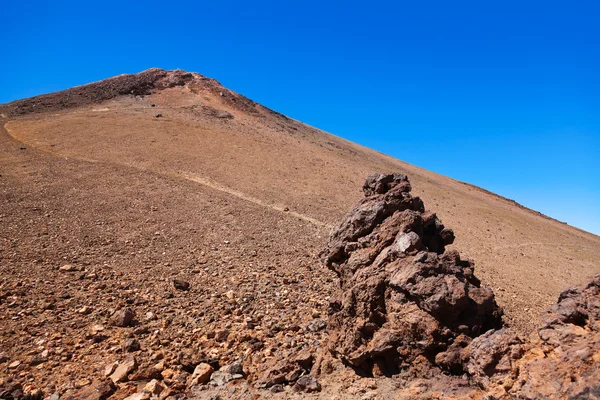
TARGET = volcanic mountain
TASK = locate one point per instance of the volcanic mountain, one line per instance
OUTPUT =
(166, 204)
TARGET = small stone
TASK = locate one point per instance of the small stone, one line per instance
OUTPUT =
(95, 329)
(3, 357)
(304, 359)
(234, 369)
(124, 369)
(14, 364)
(407, 242)
(159, 366)
(167, 373)
(109, 369)
(307, 384)
(35, 394)
(220, 378)
(38, 360)
(131, 345)
(202, 374)
(221, 336)
(67, 268)
(55, 396)
(153, 387)
(123, 318)
(82, 383)
(278, 388)
(181, 285)
(316, 325)
(85, 310)
(96, 391)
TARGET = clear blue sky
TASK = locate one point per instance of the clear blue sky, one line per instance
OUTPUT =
(504, 95)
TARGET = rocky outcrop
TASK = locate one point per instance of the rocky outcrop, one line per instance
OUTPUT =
(406, 303)
(563, 359)
(140, 84)
(560, 360)
(402, 294)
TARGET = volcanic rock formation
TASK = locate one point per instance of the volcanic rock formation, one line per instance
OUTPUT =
(405, 301)
(560, 360)
(403, 295)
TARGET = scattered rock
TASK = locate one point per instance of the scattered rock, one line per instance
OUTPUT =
(97, 391)
(110, 368)
(67, 268)
(221, 335)
(278, 388)
(234, 369)
(564, 355)
(304, 359)
(181, 285)
(316, 325)
(124, 369)
(201, 375)
(131, 345)
(123, 318)
(307, 384)
(220, 378)
(167, 373)
(154, 387)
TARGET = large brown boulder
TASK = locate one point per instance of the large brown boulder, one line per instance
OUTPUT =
(402, 295)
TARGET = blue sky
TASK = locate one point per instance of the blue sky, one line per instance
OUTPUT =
(504, 95)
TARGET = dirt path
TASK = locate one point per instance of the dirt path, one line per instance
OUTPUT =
(185, 175)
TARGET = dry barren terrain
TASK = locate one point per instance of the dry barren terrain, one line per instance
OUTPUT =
(114, 200)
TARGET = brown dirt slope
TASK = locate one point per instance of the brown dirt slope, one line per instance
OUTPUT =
(140, 179)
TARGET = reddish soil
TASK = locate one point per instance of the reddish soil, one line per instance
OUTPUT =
(231, 197)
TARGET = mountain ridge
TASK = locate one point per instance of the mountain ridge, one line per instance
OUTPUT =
(152, 79)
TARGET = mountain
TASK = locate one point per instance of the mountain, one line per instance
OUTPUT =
(198, 216)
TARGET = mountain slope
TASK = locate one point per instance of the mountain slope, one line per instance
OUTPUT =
(143, 178)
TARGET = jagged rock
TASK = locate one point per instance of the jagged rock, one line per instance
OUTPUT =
(123, 318)
(287, 369)
(220, 378)
(201, 374)
(234, 369)
(154, 387)
(131, 345)
(316, 325)
(304, 359)
(96, 391)
(402, 295)
(307, 384)
(124, 369)
(564, 357)
(181, 285)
